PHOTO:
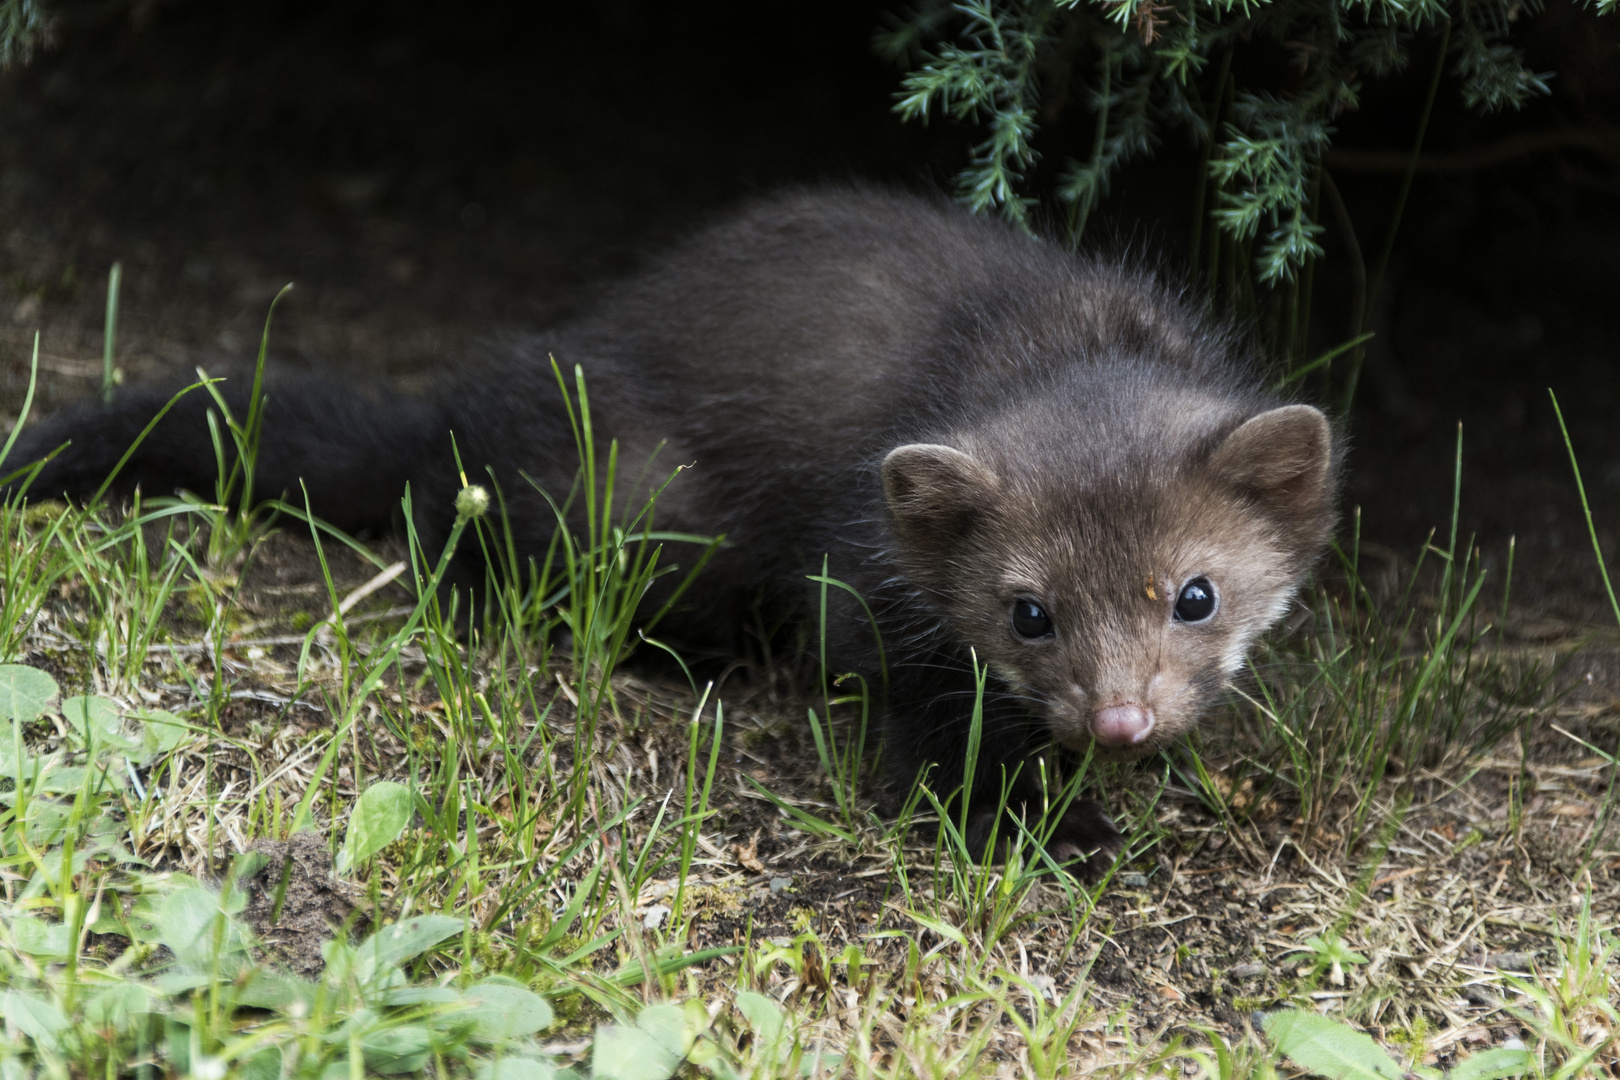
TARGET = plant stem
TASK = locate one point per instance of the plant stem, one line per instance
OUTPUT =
(1201, 191)
(1227, 89)
(1099, 142)
(115, 278)
(1377, 279)
(1299, 345)
(1358, 265)
(1586, 508)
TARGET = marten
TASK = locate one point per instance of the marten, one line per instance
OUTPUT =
(1053, 465)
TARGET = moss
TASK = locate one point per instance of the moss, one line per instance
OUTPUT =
(425, 738)
(71, 668)
(536, 928)
(566, 1008)
(714, 899)
(42, 514)
(1414, 1036)
(494, 952)
(196, 604)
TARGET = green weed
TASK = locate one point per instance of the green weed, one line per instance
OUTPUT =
(1376, 689)
(523, 901)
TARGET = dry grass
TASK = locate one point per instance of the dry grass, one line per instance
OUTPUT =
(1403, 820)
(1462, 880)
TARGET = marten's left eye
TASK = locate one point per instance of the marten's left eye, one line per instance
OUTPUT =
(1197, 601)
(1030, 620)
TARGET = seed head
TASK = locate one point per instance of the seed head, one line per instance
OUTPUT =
(472, 501)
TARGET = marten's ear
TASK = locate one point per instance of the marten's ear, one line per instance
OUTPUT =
(1285, 457)
(935, 492)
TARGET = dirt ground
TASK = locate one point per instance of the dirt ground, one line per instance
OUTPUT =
(423, 191)
(1200, 927)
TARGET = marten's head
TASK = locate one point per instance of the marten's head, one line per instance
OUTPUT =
(1116, 579)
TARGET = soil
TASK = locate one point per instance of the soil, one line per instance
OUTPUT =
(314, 904)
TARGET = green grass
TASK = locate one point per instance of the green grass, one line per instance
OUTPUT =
(1380, 690)
(540, 863)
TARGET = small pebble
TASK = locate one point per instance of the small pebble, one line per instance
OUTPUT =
(1511, 961)
(1133, 880)
(780, 883)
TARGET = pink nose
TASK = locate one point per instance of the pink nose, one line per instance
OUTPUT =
(1122, 725)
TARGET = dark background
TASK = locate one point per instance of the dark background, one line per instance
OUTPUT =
(427, 175)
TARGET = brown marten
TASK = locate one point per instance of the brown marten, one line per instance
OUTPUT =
(1051, 461)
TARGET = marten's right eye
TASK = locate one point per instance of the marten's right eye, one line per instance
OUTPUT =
(1030, 620)
(1197, 601)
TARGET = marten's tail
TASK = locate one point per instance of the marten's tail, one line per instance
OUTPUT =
(354, 453)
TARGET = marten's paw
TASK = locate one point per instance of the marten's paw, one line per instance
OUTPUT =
(1086, 833)
(1085, 837)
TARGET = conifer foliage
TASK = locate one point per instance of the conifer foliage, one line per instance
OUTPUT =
(1147, 68)
(22, 25)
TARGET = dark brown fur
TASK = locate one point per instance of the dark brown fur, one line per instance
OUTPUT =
(956, 415)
